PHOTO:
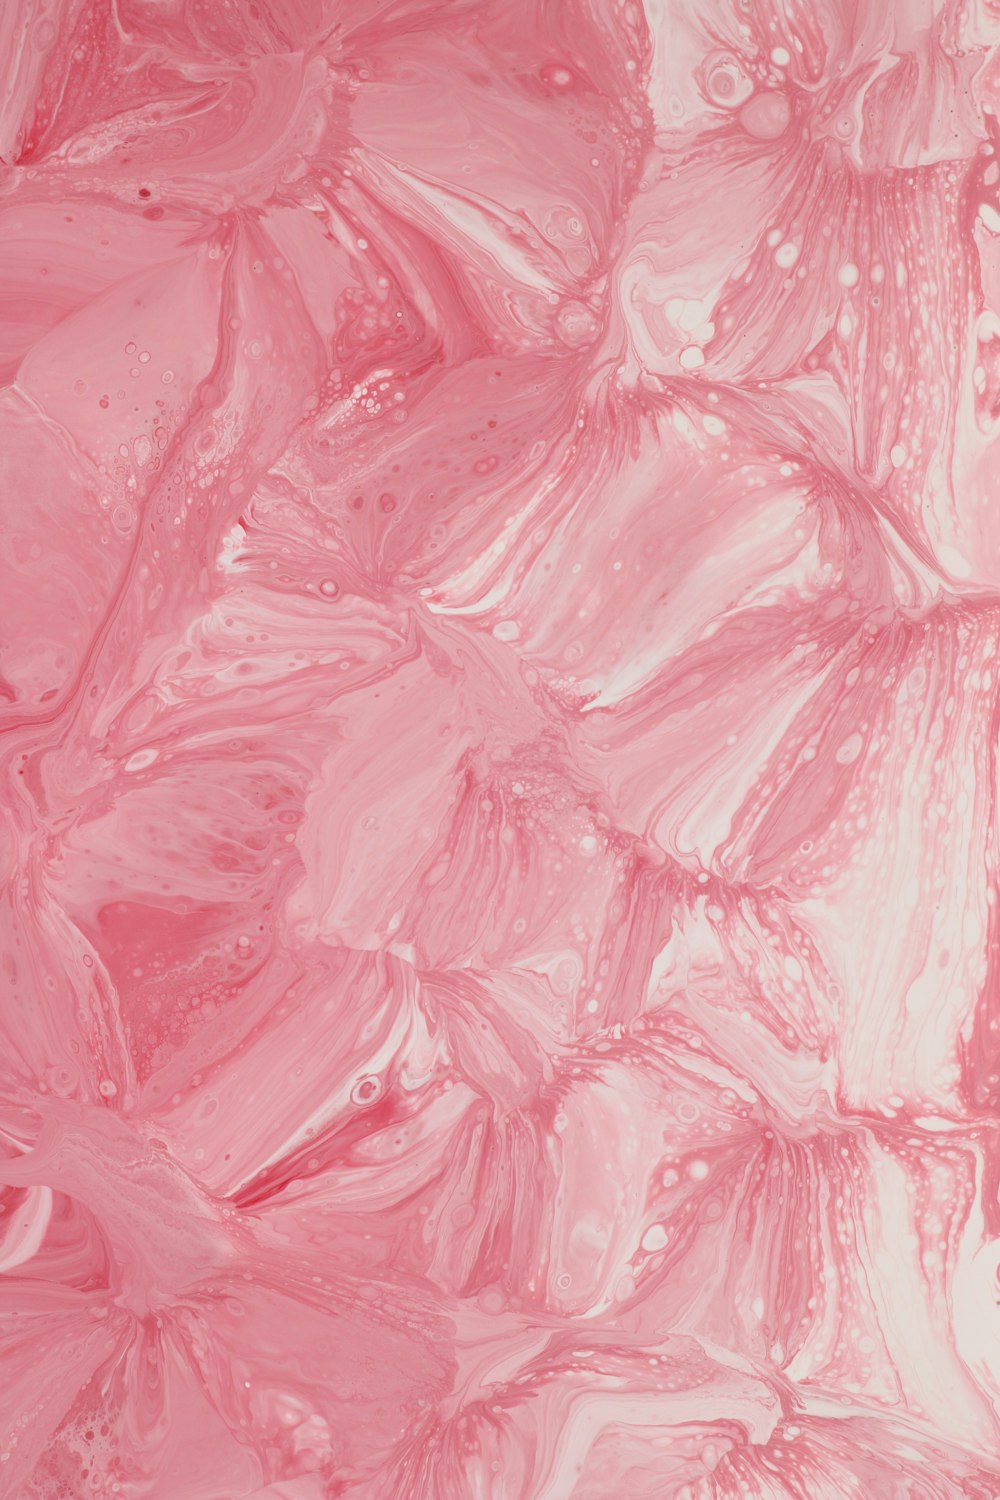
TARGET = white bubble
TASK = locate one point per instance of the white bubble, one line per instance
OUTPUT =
(367, 1090)
(850, 750)
(654, 1239)
(140, 760)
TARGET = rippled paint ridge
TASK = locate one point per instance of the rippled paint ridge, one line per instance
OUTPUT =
(499, 560)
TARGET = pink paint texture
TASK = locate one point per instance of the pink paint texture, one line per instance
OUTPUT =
(499, 633)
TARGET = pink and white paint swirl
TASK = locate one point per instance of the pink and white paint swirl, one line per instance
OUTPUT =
(499, 718)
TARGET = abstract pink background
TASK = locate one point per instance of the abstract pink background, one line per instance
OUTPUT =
(499, 707)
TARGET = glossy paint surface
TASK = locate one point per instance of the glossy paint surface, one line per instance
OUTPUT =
(499, 624)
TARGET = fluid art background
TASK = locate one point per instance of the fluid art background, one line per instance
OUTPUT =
(499, 625)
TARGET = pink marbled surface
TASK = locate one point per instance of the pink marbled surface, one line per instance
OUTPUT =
(499, 618)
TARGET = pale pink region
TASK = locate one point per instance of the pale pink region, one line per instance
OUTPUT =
(867, 1451)
(164, 1235)
(793, 1291)
(319, 1368)
(411, 501)
(630, 1195)
(233, 138)
(910, 411)
(652, 497)
(144, 1414)
(27, 39)
(476, 153)
(888, 766)
(360, 857)
(344, 1033)
(775, 295)
(175, 971)
(749, 980)
(45, 1233)
(766, 116)
(197, 1327)
(175, 942)
(927, 106)
(149, 341)
(196, 28)
(658, 1228)
(449, 1182)
(691, 239)
(571, 1416)
(53, 1340)
(26, 1219)
(358, 301)
(808, 802)
(72, 1248)
(706, 53)
(700, 738)
(66, 534)
(243, 422)
(255, 651)
(703, 61)
(498, 948)
(157, 134)
(56, 257)
(514, 1119)
(968, 529)
(59, 1021)
(484, 895)
(778, 296)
